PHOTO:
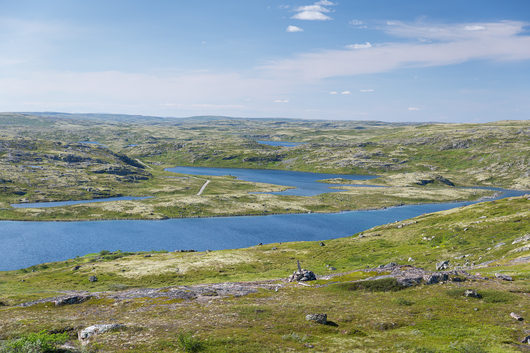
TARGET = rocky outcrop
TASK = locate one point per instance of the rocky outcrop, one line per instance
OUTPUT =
(74, 299)
(407, 275)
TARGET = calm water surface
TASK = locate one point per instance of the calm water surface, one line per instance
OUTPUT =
(29, 243)
(281, 143)
(305, 184)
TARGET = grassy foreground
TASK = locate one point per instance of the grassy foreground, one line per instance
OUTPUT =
(485, 238)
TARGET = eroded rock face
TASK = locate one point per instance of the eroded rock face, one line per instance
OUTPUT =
(90, 331)
(318, 318)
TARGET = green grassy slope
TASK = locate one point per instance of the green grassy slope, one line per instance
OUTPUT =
(427, 318)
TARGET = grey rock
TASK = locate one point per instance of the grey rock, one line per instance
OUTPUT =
(76, 268)
(92, 279)
(322, 243)
(442, 265)
(526, 340)
(434, 278)
(503, 277)
(74, 299)
(90, 331)
(470, 293)
(318, 318)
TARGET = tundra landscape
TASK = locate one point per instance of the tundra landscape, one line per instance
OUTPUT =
(265, 176)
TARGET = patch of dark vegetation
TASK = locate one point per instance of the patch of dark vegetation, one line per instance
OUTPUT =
(377, 285)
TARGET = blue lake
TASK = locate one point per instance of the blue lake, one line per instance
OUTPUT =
(30, 243)
(305, 184)
(281, 143)
(69, 203)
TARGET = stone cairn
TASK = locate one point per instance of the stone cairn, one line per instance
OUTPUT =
(302, 275)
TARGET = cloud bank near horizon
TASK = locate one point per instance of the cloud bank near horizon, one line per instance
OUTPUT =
(417, 45)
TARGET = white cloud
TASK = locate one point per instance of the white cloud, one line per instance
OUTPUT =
(366, 45)
(367, 90)
(500, 41)
(281, 101)
(413, 109)
(293, 29)
(315, 12)
(345, 92)
(358, 24)
(474, 28)
(333, 92)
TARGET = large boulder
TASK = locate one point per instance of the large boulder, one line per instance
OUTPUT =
(318, 318)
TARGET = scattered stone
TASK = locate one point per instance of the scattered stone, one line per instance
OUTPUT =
(526, 340)
(332, 268)
(440, 266)
(76, 268)
(318, 318)
(90, 331)
(516, 317)
(148, 255)
(75, 299)
(308, 345)
(503, 277)
(274, 248)
(470, 293)
(92, 279)
(410, 259)
(322, 243)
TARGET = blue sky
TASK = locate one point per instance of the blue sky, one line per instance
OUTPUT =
(414, 60)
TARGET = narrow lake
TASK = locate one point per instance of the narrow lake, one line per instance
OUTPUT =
(305, 184)
(281, 143)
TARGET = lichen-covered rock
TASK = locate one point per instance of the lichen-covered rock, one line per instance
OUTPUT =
(318, 318)
(90, 331)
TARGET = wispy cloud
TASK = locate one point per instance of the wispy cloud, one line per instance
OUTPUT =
(449, 44)
(281, 101)
(365, 45)
(358, 24)
(294, 29)
(345, 92)
(315, 12)
(413, 109)
(367, 90)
